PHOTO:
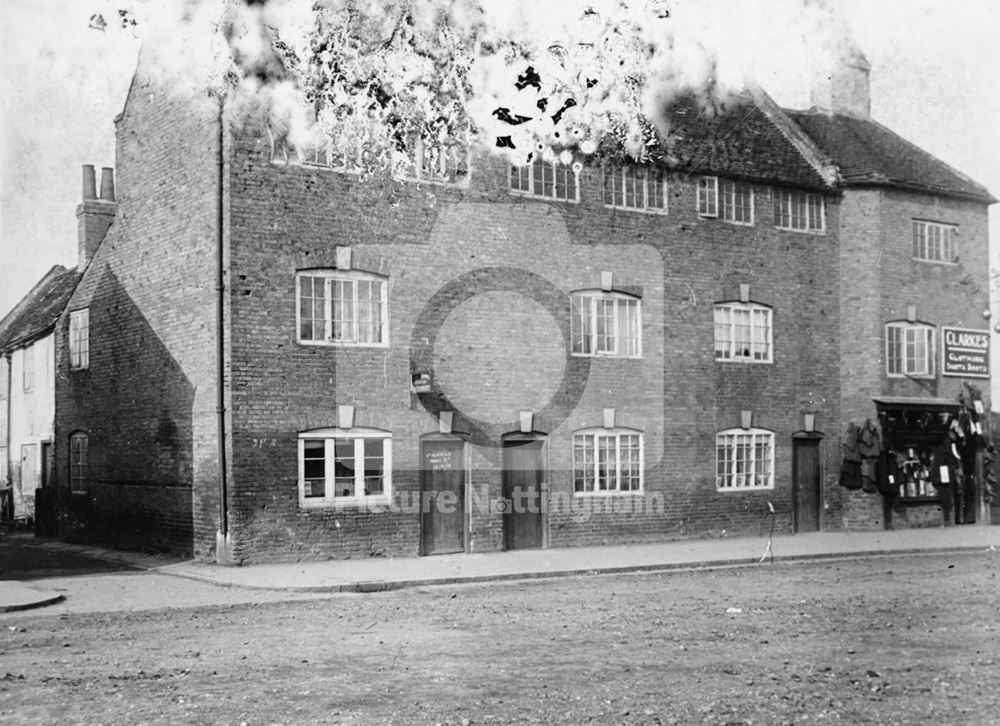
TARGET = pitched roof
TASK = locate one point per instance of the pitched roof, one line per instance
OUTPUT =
(37, 311)
(870, 154)
(737, 138)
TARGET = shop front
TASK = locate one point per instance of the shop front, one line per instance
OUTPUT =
(931, 470)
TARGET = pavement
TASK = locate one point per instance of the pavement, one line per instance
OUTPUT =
(381, 574)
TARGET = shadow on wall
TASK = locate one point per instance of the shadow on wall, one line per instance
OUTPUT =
(134, 403)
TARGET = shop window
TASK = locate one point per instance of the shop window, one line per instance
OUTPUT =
(344, 467)
(799, 211)
(743, 332)
(79, 339)
(744, 460)
(635, 188)
(607, 461)
(606, 324)
(934, 242)
(342, 308)
(548, 179)
(78, 455)
(909, 350)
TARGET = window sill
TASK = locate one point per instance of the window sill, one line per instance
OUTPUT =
(338, 344)
(743, 490)
(530, 195)
(606, 356)
(918, 376)
(816, 232)
(380, 502)
(608, 493)
(945, 263)
(745, 361)
(640, 210)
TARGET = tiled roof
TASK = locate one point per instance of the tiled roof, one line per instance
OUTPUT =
(37, 312)
(736, 139)
(868, 153)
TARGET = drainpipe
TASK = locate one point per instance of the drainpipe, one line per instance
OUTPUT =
(6, 485)
(222, 541)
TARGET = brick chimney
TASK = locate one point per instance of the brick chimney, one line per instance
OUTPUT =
(845, 88)
(94, 214)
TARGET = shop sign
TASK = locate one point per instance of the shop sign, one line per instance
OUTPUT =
(966, 353)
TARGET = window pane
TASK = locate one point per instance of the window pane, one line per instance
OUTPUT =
(723, 339)
(583, 463)
(607, 463)
(606, 326)
(343, 482)
(894, 350)
(314, 468)
(374, 466)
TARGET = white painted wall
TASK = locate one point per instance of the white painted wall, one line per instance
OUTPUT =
(32, 419)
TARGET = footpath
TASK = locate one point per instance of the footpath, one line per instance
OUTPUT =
(381, 574)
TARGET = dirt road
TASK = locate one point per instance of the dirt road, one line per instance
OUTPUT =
(902, 640)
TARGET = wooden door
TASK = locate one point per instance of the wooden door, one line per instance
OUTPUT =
(806, 484)
(523, 474)
(442, 496)
(24, 487)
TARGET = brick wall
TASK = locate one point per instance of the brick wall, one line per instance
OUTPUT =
(147, 401)
(425, 238)
(880, 281)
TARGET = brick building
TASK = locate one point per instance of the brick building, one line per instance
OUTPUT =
(27, 393)
(914, 285)
(287, 360)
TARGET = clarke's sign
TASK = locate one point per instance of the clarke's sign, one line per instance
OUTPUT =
(966, 353)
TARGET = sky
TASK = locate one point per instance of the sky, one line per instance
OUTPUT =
(935, 67)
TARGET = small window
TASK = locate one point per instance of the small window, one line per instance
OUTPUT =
(78, 445)
(799, 211)
(437, 161)
(606, 324)
(549, 179)
(607, 461)
(636, 188)
(743, 332)
(344, 467)
(744, 459)
(909, 350)
(737, 202)
(342, 308)
(935, 242)
(708, 196)
(79, 339)
(28, 368)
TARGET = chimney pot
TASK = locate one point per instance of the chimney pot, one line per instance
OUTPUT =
(89, 182)
(108, 184)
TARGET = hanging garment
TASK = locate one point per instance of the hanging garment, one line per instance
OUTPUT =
(850, 468)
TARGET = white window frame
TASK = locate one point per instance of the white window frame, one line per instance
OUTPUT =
(728, 189)
(357, 437)
(585, 309)
(707, 194)
(330, 278)
(587, 443)
(947, 243)
(812, 215)
(732, 348)
(643, 181)
(522, 180)
(900, 336)
(79, 459)
(79, 339)
(736, 446)
(438, 163)
(28, 368)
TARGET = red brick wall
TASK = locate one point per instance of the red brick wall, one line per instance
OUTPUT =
(289, 218)
(879, 281)
(147, 401)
